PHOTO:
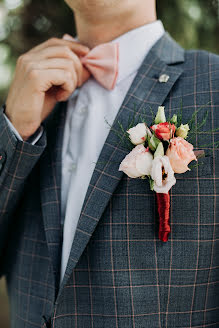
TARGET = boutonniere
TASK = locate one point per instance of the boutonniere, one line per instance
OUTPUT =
(160, 151)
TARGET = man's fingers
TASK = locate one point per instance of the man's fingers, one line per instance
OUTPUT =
(53, 52)
(53, 63)
(63, 53)
(43, 80)
(74, 46)
(61, 63)
(68, 37)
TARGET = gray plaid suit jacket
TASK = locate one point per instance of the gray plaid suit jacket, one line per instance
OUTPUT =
(119, 274)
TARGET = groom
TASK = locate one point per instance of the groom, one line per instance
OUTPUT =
(78, 239)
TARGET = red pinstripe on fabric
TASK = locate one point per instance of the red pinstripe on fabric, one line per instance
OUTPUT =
(46, 294)
(33, 255)
(112, 265)
(129, 263)
(55, 186)
(54, 317)
(27, 321)
(156, 268)
(172, 231)
(173, 240)
(40, 283)
(146, 269)
(151, 195)
(215, 191)
(12, 181)
(198, 209)
(151, 223)
(128, 315)
(75, 301)
(208, 325)
(32, 296)
(29, 285)
(137, 286)
(177, 108)
(90, 290)
(19, 285)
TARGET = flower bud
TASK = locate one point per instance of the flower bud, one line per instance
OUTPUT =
(182, 131)
(159, 151)
(160, 117)
(153, 142)
(174, 119)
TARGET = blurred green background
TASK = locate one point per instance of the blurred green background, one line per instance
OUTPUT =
(25, 23)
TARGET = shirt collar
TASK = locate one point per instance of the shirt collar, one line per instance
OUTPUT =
(135, 45)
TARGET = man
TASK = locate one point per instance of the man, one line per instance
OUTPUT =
(78, 239)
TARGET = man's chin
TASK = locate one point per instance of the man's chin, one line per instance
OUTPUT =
(84, 5)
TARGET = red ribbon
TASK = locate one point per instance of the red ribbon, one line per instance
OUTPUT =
(163, 206)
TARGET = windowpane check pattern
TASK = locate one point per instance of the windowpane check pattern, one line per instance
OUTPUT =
(119, 274)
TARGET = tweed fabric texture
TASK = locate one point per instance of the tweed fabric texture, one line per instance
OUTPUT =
(119, 274)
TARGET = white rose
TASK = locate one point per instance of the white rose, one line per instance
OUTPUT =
(138, 134)
(162, 174)
(137, 163)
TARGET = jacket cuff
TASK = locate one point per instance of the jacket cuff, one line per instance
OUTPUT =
(17, 155)
(32, 139)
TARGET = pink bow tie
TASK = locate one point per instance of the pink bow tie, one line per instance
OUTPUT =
(102, 62)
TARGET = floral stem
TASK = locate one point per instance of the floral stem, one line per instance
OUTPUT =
(163, 206)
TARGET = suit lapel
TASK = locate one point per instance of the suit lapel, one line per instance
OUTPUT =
(50, 184)
(146, 93)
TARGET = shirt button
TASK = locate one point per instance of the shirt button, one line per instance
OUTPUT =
(73, 167)
(83, 110)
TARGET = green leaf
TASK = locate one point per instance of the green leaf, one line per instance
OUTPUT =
(151, 181)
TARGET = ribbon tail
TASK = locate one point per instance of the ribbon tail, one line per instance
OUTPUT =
(163, 206)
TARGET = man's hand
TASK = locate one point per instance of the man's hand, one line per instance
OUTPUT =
(48, 73)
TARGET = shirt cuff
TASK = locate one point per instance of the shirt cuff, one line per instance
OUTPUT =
(32, 139)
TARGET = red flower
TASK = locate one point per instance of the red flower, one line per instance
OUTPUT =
(164, 131)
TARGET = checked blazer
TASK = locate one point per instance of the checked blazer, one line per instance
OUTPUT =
(119, 275)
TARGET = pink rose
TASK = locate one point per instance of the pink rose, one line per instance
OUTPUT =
(137, 163)
(164, 131)
(180, 153)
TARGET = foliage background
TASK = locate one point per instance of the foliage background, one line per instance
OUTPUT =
(25, 23)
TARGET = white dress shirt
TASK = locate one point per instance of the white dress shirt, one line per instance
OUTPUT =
(86, 130)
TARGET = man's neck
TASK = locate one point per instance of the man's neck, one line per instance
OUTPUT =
(94, 30)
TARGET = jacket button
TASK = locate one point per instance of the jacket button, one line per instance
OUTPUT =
(163, 78)
(2, 158)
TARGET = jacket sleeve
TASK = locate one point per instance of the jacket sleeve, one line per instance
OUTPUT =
(17, 159)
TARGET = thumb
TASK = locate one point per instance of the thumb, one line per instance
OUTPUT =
(85, 75)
